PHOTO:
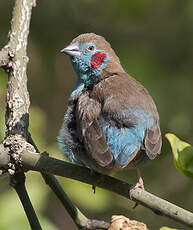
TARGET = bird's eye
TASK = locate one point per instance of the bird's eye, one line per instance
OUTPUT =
(90, 48)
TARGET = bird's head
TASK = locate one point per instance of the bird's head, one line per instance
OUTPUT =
(91, 55)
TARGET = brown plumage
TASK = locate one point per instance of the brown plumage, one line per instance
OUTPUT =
(113, 120)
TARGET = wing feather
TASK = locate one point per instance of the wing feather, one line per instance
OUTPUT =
(153, 141)
(90, 131)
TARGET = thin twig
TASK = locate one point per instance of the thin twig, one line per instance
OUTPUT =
(18, 183)
(77, 216)
(43, 163)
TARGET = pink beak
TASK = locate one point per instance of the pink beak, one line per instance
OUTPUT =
(72, 50)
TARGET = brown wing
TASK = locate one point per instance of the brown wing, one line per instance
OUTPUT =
(153, 141)
(90, 131)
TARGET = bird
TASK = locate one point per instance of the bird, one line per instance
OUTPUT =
(111, 122)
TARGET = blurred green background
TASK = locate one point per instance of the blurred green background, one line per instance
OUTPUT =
(154, 40)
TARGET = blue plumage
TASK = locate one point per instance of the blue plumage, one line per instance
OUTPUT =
(69, 134)
(86, 75)
(82, 64)
(125, 141)
(112, 121)
(77, 90)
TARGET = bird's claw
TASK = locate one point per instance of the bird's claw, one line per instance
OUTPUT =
(139, 184)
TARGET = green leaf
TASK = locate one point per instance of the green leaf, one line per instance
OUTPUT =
(183, 154)
(167, 228)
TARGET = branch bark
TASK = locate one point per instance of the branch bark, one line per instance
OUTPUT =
(5, 56)
(17, 94)
(13, 57)
(43, 163)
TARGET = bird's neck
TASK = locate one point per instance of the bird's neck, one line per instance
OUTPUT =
(83, 81)
(87, 76)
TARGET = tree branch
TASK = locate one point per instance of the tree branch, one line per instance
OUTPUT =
(18, 183)
(17, 94)
(43, 163)
(77, 216)
(13, 57)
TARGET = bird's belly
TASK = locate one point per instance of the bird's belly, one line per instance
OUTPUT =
(68, 138)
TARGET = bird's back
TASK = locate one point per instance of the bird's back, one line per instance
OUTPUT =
(116, 120)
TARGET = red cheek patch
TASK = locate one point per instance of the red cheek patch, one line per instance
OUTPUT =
(97, 59)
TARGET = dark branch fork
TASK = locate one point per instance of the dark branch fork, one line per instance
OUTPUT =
(18, 152)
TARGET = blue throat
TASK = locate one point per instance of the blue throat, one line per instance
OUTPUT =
(85, 74)
(83, 81)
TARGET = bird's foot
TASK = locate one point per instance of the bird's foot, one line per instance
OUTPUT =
(140, 185)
